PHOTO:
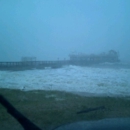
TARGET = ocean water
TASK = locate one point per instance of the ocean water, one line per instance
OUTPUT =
(104, 79)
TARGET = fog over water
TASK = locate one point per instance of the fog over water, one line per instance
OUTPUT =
(51, 29)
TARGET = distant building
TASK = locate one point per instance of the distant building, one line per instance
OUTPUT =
(84, 59)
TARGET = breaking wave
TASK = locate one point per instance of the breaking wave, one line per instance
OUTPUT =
(100, 80)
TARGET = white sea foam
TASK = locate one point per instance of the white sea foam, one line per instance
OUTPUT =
(104, 81)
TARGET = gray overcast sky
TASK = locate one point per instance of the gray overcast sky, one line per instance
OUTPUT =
(49, 29)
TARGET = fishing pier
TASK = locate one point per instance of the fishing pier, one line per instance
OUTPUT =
(75, 59)
(32, 65)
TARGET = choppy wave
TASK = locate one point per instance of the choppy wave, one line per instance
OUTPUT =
(114, 65)
(95, 80)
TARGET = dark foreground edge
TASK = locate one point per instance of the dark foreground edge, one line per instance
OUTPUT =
(104, 124)
(26, 123)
